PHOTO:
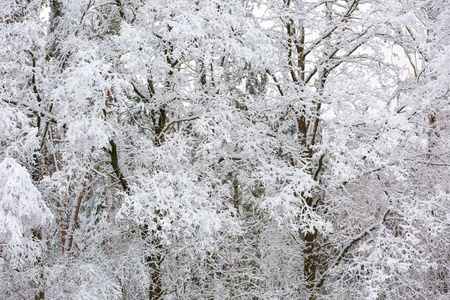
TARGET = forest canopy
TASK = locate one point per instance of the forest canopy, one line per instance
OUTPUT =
(224, 149)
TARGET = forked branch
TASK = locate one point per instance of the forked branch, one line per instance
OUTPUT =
(354, 241)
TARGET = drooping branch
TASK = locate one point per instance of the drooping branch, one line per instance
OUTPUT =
(34, 110)
(349, 245)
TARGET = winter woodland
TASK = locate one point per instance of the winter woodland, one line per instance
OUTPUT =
(225, 149)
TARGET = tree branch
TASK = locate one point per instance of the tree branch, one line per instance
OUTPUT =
(276, 81)
(139, 93)
(345, 250)
(347, 15)
(176, 122)
(319, 167)
(115, 164)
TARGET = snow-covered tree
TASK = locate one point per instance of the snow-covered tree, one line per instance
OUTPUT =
(224, 149)
(22, 214)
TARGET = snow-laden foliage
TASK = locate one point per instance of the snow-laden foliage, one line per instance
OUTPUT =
(224, 149)
(21, 211)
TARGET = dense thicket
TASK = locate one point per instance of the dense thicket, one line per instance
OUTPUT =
(224, 149)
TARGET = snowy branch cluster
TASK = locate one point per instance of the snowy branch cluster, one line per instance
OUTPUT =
(224, 149)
